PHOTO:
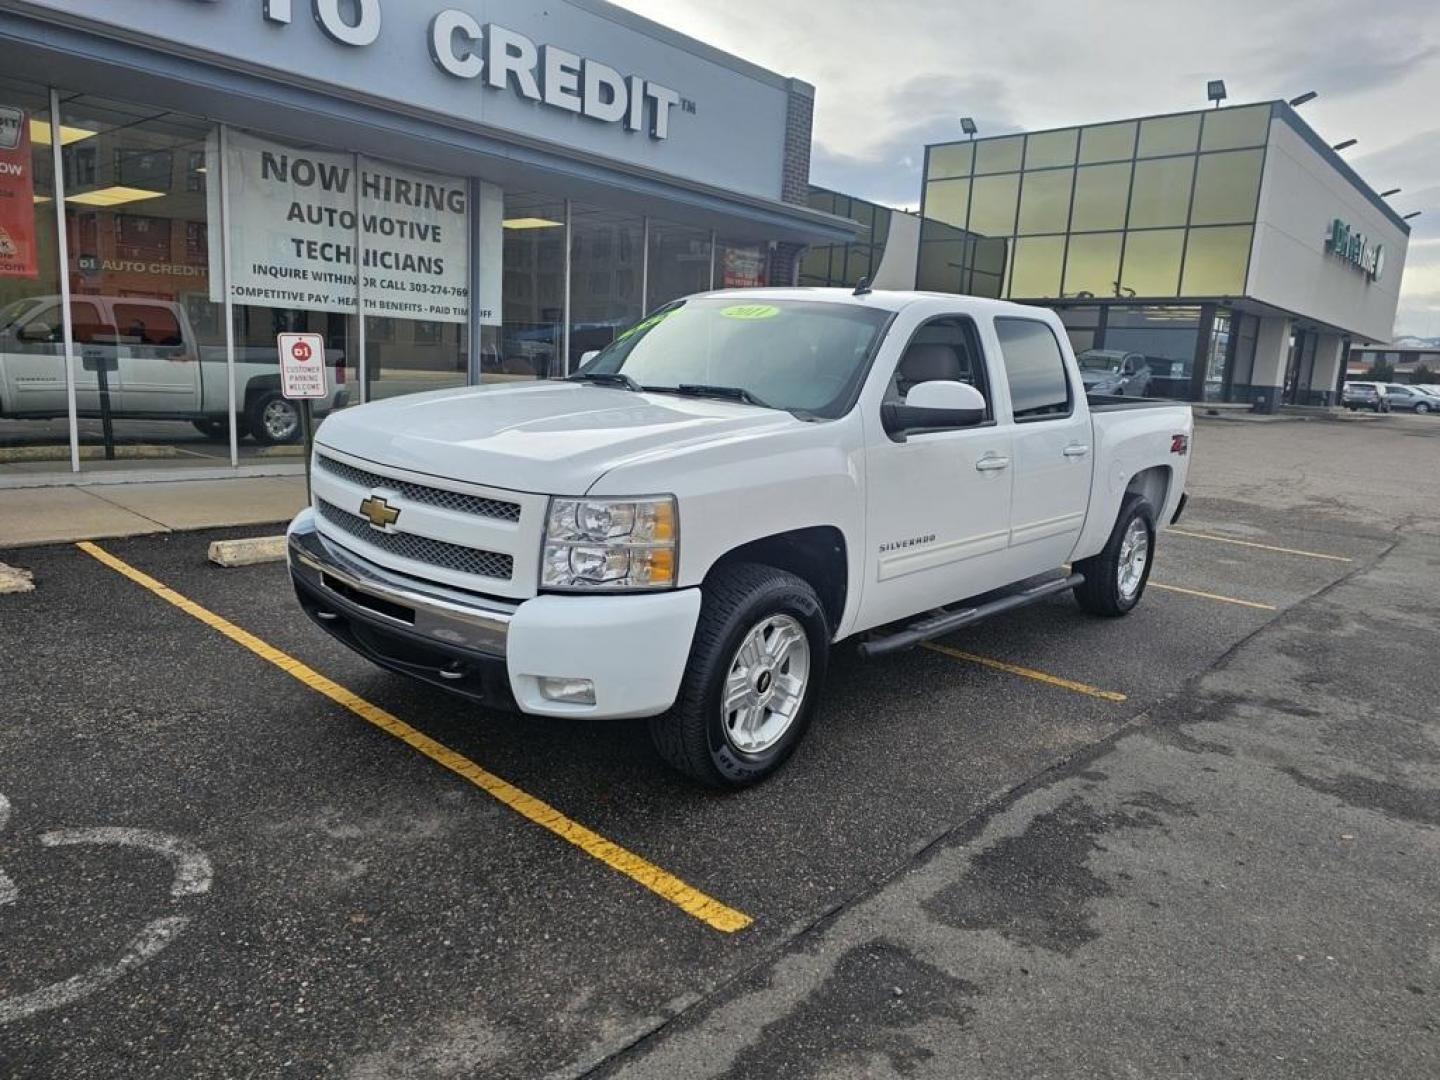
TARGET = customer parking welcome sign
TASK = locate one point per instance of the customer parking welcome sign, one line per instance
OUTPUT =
(18, 256)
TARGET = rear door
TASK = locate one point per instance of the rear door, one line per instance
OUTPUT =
(937, 503)
(159, 366)
(1052, 452)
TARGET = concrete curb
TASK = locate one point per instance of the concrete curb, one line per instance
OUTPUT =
(249, 551)
(15, 580)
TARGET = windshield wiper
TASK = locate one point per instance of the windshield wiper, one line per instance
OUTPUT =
(606, 378)
(727, 393)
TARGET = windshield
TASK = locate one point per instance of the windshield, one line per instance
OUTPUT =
(1098, 362)
(805, 356)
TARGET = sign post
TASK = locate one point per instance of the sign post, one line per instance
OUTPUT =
(302, 379)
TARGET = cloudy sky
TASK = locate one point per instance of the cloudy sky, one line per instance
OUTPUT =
(892, 75)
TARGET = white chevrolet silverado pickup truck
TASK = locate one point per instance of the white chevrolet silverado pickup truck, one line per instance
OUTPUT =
(684, 529)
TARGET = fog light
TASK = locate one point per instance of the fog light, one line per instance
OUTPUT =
(569, 691)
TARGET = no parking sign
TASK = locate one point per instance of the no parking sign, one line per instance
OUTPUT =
(302, 365)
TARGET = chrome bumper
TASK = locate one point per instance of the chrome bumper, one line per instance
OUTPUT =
(359, 589)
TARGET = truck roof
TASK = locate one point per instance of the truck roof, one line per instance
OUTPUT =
(885, 299)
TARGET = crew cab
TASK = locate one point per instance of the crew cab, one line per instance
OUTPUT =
(686, 527)
(153, 365)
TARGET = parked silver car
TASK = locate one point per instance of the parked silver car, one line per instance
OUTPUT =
(1365, 395)
(1114, 371)
(1411, 398)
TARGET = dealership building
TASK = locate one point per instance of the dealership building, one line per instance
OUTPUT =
(449, 193)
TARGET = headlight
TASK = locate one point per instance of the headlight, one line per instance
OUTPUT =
(610, 544)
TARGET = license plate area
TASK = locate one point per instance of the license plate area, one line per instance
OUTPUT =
(390, 610)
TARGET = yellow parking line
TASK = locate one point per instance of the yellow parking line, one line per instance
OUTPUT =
(1028, 673)
(686, 897)
(1262, 547)
(1215, 596)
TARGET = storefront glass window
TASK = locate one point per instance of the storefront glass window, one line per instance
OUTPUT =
(607, 252)
(1215, 261)
(740, 266)
(1107, 142)
(152, 384)
(1216, 356)
(679, 262)
(1037, 267)
(1152, 263)
(533, 308)
(989, 259)
(942, 258)
(1164, 135)
(1101, 193)
(1045, 201)
(1092, 266)
(1051, 148)
(1161, 193)
(1227, 187)
(1165, 336)
(34, 405)
(1081, 324)
(1230, 129)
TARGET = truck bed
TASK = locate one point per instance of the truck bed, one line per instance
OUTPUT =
(1119, 403)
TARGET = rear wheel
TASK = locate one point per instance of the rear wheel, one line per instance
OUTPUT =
(1421, 407)
(1115, 578)
(755, 671)
(274, 419)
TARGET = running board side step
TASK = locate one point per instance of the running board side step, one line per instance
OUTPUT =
(936, 625)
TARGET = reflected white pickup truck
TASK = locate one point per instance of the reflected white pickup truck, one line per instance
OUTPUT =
(686, 528)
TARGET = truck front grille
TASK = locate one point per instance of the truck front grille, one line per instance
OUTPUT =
(420, 493)
(464, 560)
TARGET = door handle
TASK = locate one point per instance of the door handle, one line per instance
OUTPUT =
(1076, 451)
(992, 463)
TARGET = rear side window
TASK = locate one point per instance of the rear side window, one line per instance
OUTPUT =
(1035, 369)
(148, 324)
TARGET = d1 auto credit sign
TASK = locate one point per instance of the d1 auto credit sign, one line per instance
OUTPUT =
(302, 365)
(18, 254)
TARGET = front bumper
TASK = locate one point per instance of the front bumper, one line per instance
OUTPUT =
(633, 648)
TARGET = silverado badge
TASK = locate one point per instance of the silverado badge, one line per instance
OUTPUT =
(380, 513)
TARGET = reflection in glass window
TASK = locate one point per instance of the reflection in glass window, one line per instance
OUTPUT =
(679, 262)
(942, 264)
(1215, 261)
(989, 259)
(1227, 187)
(606, 257)
(1166, 336)
(1152, 263)
(952, 159)
(1093, 265)
(533, 301)
(948, 201)
(1230, 129)
(1034, 368)
(1051, 148)
(992, 205)
(1045, 201)
(999, 155)
(1107, 142)
(1161, 192)
(1101, 193)
(1163, 135)
(1037, 267)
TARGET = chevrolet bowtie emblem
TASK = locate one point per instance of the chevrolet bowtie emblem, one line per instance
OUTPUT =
(380, 513)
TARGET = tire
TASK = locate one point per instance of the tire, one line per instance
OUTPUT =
(1421, 408)
(1114, 582)
(747, 609)
(273, 420)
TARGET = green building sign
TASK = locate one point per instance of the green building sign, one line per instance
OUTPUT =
(1345, 243)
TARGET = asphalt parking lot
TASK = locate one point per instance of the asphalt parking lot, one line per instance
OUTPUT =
(1201, 840)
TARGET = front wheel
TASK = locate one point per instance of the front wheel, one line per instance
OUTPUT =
(1115, 579)
(756, 668)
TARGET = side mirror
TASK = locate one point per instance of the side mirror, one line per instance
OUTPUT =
(35, 333)
(586, 357)
(938, 404)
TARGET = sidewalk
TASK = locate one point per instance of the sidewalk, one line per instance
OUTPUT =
(55, 515)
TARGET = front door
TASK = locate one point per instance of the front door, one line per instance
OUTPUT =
(937, 503)
(1052, 447)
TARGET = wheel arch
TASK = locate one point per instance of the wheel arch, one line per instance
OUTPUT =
(816, 555)
(1154, 485)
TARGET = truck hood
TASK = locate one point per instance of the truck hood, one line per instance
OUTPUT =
(545, 437)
